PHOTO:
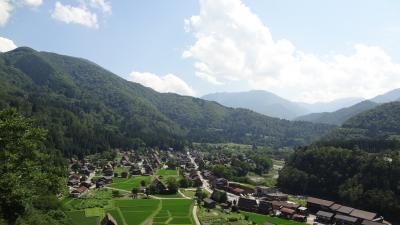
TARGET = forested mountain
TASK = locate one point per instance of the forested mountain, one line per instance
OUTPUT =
(357, 164)
(262, 102)
(340, 116)
(87, 108)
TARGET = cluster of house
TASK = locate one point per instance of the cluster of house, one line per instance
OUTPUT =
(330, 212)
(81, 177)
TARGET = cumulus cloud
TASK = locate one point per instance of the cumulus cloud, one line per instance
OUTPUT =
(232, 44)
(5, 11)
(167, 83)
(6, 45)
(34, 3)
(77, 15)
(103, 5)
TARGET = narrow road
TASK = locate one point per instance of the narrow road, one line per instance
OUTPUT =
(206, 185)
(196, 219)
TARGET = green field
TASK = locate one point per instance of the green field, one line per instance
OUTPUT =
(167, 172)
(128, 183)
(135, 212)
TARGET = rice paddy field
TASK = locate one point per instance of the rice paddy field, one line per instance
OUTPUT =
(128, 183)
(136, 212)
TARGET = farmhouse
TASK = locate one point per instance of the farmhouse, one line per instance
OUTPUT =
(315, 204)
(209, 203)
(363, 215)
(79, 192)
(287, 213)
(344, 220)
(160, 186)
(324, 217)
(276, 196)
(265, 207)
(108, 220)
(263, 190)
(247, 204)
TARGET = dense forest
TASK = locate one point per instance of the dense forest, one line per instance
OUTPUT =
(358, 164)
(88, 109)
(30, 174)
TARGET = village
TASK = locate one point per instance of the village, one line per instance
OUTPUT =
(168, 175)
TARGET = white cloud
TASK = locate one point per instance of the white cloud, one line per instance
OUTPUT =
(103, 5)
(167, 83)
(232, 43)
(6, 45)
(33, 3)
(5, 11)
(77, 15)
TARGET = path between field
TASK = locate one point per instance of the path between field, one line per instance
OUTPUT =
(117, 189)
(161, 198)
(179, 191)
(194, 212)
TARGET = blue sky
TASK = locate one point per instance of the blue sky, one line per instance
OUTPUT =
(313, 50)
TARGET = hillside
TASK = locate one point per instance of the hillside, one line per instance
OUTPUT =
(87, 108)
(262, 102)
(340, 116)
(390, 96)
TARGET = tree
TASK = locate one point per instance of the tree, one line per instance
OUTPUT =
(135, 192)
(172, 185)
(185, 182)
(142, 183)
(28, 170)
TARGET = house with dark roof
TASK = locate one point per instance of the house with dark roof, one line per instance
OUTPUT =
(363, 215)
(276, 196)
(160, 186)
(264, 207)
(341, 219)
(368, 222)
(287, 213)
(78, 192)
(344, 210)
(247, 204)
(316, 204)
(324, 217)
(108, 220)
(209, 203)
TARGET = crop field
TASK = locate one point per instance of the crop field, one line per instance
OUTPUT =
(136, 212)
(174, 211)
(167, 172)
(128, 183)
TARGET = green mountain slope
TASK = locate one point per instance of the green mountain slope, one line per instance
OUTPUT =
(87, 108)
(340, 116)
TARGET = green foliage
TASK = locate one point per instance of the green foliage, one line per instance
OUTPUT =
(172, 185)
(29, 173)
(354, 177)
(88, 109)
(219, 196)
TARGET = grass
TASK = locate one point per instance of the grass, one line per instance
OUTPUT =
(167, 172)
(128, 183)
(134, 211)
(79, 218)
(177, 195)
(188, 192)
(90, 212)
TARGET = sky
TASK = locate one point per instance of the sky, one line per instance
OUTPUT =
(307, 50)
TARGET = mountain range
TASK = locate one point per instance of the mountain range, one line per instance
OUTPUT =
(334, 112)
(87, 109)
